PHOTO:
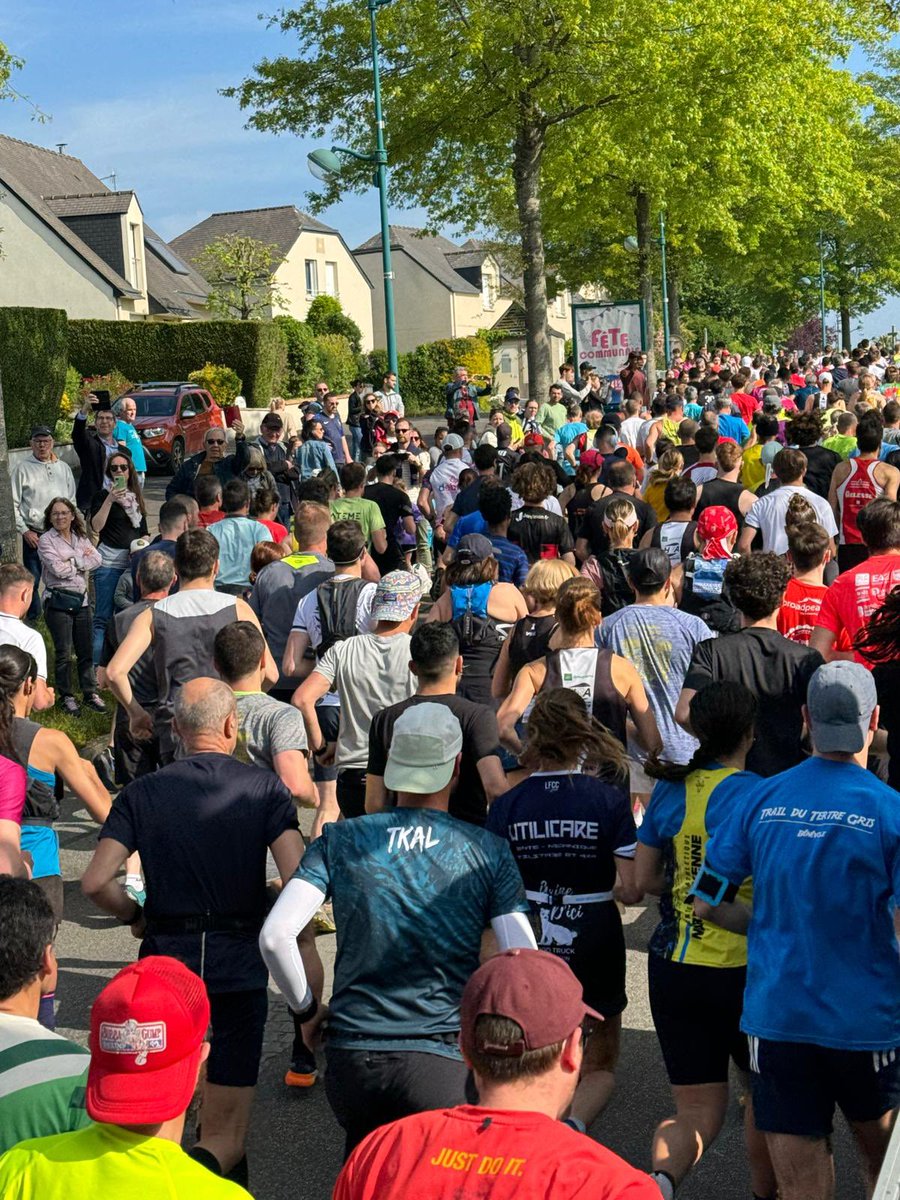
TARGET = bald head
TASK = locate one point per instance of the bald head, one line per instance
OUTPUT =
(205, 715)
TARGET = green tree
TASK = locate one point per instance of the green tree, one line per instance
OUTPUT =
(327, 316)
(240, 273)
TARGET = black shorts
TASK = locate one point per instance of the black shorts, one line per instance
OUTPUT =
(597, 958)
(796, 1085)
(697, 1014)
(238, 1021)
(368, 1088)
(351, 792)
(329, 718)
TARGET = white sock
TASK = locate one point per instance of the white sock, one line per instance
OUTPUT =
(664, 1183)
(134, 881)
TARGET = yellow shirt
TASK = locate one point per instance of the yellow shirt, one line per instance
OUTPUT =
(753, 473)
(106, 1160)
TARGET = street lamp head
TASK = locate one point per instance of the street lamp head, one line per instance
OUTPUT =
(630, 243)
(323, 164)
(805, 281)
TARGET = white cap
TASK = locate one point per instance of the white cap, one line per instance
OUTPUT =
(452, 442)
(746, 361)
(424, 745)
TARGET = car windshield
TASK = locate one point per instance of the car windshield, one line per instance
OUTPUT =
(149, 405)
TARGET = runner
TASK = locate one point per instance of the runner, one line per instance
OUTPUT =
(413, 889)
(675, 535)
(697, 972)
(776, 670)
(437, 664)
(540, 533)
(206, 808)
(725, 491)
(814, 1044)
(608, 684)
(530, 636)
(768, 514)
(855, 484)
(16, 591)
(525, 1028)
(593, 537)
(701, 587)
(572, 835)
(810, 549)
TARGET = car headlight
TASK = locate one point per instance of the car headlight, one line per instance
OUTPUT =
(156, 431)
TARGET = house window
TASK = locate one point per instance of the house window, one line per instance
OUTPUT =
(488, 293)
(331, 280)
(135, 231)
(312, 277)
(561, 304)
(506, 363)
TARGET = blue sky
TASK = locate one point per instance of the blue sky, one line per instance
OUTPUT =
(133, 89)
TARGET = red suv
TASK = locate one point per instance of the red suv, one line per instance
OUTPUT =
(172, 420)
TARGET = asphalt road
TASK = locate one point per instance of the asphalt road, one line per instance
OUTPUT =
(295, 1143)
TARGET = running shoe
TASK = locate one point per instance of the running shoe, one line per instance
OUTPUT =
(323, 924)
(104, 765)
(303, 1069)
(134, 887)
(94, 703)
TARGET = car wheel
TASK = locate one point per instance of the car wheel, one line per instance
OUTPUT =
(176, 458)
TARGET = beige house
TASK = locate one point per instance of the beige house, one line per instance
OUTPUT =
(70, 242)
(316, 259)
(442, 290)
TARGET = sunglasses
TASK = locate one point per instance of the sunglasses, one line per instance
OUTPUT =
(403, 429)
(215, 441)
(322, 391)
(121, 469)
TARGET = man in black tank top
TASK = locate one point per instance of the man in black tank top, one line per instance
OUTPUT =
(182, 631)
(724, 491)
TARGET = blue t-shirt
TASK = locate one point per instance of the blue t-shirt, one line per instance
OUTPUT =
(514, 564)
(659, 641)
(124, 431)
(733, 427)
(664, 817)
(822, 842)
(413, 890)
(471, 523)
(236, 537)
(570, 432)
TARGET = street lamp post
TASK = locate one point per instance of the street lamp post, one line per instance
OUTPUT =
(325, 164)
(822, 312)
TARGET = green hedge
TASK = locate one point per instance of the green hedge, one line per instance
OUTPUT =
(33, 349)
(425, 371)
(145, 350)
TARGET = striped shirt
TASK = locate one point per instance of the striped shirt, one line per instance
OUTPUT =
(42, 1081)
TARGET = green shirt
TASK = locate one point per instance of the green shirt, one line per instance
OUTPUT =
(841, 443)
(355, 508)
(42, 1078)
(551, 417)
(106, 1161)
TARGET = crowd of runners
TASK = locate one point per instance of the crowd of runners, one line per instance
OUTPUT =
(578, 653)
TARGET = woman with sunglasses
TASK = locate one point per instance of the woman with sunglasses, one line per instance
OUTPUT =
(118, 516)
(67, 555)
(570, 828)
(256, 474)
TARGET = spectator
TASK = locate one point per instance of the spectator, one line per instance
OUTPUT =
(212, 460)
(94, 448)
(67, 556)
(36, 481)
(118, 517)
(128, 437)
(389, 398)
(461, 397)
(551, 415)
(278, 462)
(314, 455)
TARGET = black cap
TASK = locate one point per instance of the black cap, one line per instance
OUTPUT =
(512, 393)
(41, 431)
(649, 569)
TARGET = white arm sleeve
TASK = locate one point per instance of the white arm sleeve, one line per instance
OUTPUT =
(293, 910)
(513, 932)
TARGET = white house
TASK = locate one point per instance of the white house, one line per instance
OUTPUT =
(315, 259)
(443, 290)
(70, 242)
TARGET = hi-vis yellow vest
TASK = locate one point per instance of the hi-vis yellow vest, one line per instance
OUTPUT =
(699, 941)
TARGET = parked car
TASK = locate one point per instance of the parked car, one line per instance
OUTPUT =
(172, 420)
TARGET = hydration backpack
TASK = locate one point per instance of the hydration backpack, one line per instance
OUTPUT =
(337, 602)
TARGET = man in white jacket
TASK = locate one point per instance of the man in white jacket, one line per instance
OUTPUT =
(36, 481)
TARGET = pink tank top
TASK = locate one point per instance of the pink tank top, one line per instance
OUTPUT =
(857, 490)
(13, 781)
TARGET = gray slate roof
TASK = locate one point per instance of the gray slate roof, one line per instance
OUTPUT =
(432, 252)
(93, 204)
(44, 179)
(279, 227)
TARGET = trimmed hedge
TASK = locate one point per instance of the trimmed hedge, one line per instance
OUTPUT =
(33, 358)
(425, 371)
(146, 350)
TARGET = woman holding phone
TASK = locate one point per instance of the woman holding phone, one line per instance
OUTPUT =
(118, 516)
(66, 556)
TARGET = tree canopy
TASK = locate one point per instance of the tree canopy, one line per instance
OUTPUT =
(239, 271)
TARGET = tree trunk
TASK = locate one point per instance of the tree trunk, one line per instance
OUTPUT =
(8, 537)
(846, 334)
(529, 150)
(645, 278)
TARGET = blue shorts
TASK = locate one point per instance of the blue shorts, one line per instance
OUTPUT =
(42, 844)
(796, 1085)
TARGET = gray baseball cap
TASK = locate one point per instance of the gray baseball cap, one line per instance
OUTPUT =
(841, 699)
